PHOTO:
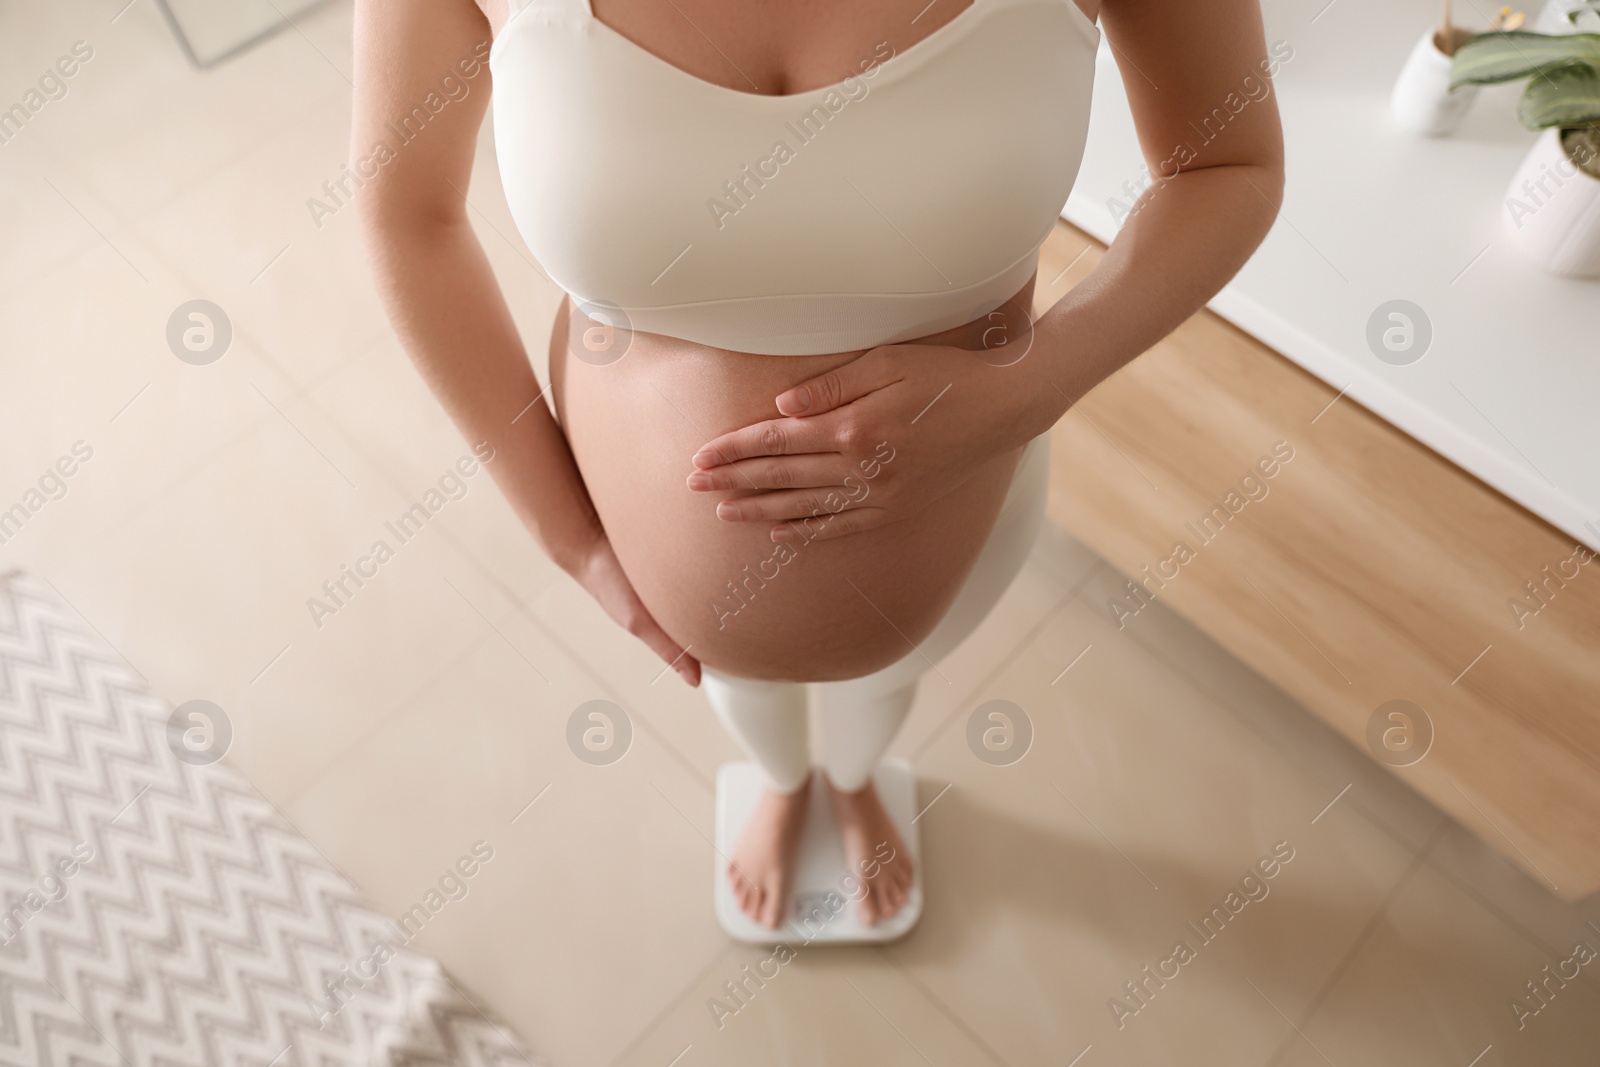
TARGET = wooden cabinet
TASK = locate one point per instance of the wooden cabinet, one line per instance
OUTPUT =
(1369, 570)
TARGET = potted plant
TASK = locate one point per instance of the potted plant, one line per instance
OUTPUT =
(1424, 101)
(1552, 210)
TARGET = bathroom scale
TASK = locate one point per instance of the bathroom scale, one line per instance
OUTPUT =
(821, 908)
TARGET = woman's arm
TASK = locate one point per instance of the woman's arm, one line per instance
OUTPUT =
(441, 294)
(1210, 202)
(1210, 205)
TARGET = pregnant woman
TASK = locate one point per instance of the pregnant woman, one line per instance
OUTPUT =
(800, 398)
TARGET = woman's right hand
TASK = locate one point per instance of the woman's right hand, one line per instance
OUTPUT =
(601, 574)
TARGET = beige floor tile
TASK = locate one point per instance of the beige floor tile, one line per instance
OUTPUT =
(1435, 984)
(665, 703)
(32, 32)
(948, 692)
(1270, 713)
(212, 30)
(595, 911)
(806, 1004)
(52, 218)
(296, 285)
(207, 592)
(385, 411)
(1140, 804)
(1064, 557)
(141, 125)
(1056, 567)
(91, 363)
(1521, 900)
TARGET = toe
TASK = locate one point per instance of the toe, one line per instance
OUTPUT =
(890, 903)
(771, 909)
(737, 879)
(758, 904)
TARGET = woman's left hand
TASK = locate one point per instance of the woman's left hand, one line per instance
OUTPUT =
(873, 441)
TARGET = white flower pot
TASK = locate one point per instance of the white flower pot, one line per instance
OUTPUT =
(1422, 101)
(1552, 210)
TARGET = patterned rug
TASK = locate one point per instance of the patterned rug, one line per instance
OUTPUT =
(155, 909)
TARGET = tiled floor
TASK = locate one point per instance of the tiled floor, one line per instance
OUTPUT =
(429, 712)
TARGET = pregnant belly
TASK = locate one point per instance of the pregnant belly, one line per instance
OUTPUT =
(818, 610)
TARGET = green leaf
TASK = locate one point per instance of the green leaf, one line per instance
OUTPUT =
(1565, 96)
(1506, 55)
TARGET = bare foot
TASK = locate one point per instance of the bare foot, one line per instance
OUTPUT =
(874, 852)
(763, 857)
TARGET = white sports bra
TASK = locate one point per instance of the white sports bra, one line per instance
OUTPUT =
(903, 201)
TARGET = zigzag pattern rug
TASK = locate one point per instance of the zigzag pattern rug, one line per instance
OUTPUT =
(158, 912)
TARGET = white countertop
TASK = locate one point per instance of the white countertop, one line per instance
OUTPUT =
(1510, 386)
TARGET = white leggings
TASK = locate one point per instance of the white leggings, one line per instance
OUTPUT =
(860, 716)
